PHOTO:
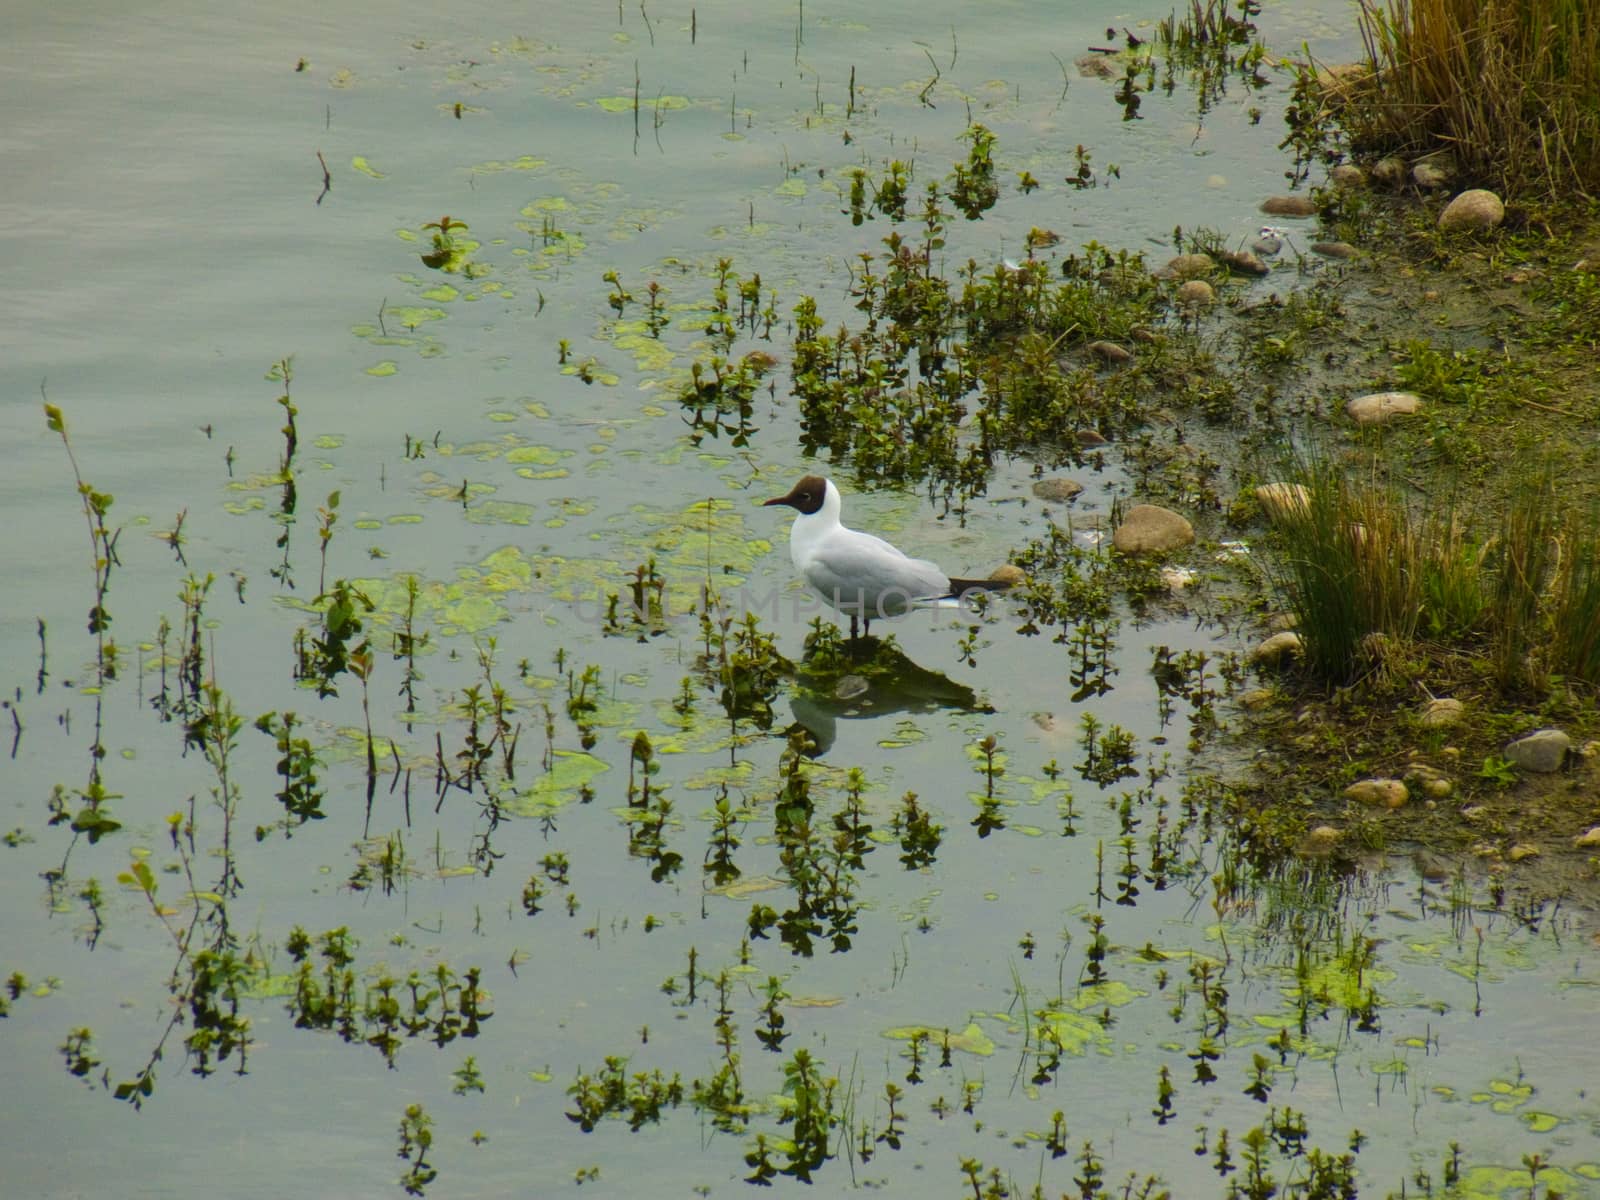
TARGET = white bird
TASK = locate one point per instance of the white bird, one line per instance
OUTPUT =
(856, 573)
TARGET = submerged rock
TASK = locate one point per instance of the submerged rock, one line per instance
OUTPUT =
(1243, 262)
(1478, 208)
(1176, 579)
(1588, 839)
(1188, 266)
(1151, 529)
(1196, 293)
(1444, 711)
(1386, 793)
(1007, 573)
(1056, 487)
(1289, 206)
(1390, 171)
(1521, 851)
(1433, 171)
(1381, 406)
(849, 687)
(1321, 840)
(1281, 501)
(1544, 751)
(1334, 249)
(1110, 352)
(1337, 80)
(1277, 648)
(1347, 175)
(1434, 782)
(1097, 66)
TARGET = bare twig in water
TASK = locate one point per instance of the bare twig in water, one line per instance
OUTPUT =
(928, 87)
(327, 178)
(1065, 80)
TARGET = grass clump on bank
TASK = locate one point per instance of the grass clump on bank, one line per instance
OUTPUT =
(1371, 582)
(1510, 87)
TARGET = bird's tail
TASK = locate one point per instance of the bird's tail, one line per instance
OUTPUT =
(960, 587)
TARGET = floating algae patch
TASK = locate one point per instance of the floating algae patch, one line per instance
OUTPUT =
(409, 316)
(537, 456)
(1076, 1033)
(708, 536)
(740, 775)
(544, 206)
(591, 371)
(971, 1040)
(349, 745)
(444, 293)
(360, 163)
(906, 734)
(1344, 984)
(495, 165)
(568, 779)
(752, 885)
(1506, 1183)
(383, 369)
(500, 512)
(621, 104)
(1504, 1096)
(468, 604)
(649, 354)
(705, 731)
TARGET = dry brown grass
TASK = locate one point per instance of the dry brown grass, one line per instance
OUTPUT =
(1511, 87)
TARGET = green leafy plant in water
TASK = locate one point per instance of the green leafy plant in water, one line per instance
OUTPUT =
(103, 541)
(329, 652)
(919, 834)
(748, 668)
(77, 1051)
(640, 1099)
(448, 254)
(416, 1139)
(1501, 772)
(720, 397)
(974, 188)
(300, 795)
(811, 1114)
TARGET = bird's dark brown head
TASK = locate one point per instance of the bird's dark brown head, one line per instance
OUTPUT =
(807, 496)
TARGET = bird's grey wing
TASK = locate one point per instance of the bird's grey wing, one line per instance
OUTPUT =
(864, 563)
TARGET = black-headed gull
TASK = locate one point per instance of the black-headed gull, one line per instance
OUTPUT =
(856, 573)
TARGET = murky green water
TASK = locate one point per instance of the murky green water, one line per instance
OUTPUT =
(1060, 945)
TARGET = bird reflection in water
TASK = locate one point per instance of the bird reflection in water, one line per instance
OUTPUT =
(867, 677)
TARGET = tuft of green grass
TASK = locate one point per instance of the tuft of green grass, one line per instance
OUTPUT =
(1574, 646)
(1521, 564)
(1508, 86)
(1351, 568)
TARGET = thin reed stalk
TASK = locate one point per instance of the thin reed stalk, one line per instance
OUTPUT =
(1510, 87)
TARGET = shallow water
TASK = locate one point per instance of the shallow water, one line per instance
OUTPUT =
(166, 247)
